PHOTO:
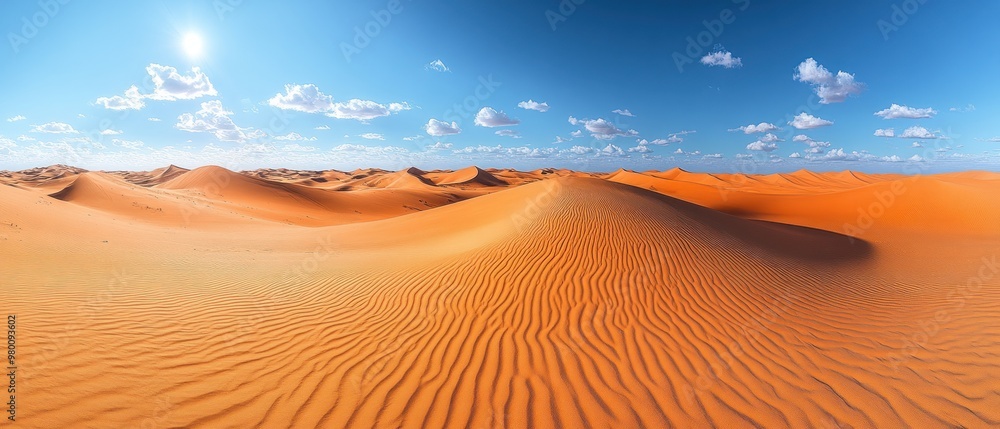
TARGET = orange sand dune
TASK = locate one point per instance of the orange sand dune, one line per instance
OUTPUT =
(563, 302)
(470, 176)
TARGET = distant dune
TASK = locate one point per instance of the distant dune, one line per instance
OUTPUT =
(499, 298)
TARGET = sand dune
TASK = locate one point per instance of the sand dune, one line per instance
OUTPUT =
(470, 176)
(562, 302)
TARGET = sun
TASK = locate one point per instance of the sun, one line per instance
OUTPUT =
(192, 45)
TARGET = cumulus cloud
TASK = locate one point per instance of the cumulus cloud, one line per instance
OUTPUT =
(372, 136)
(110, 132)
(302, 98)
(916, 158)
(439, 146)
(829, 87)
(132, 100)
(762, 127)
(437, 65)
(916, 145)
(623, 112)
(127, 144)
(309, 99)
(640, 148)
(795, 155)
(814, 146)
(918, 132)
(54, 128)
(293, 136)
(533, 105)
(887, 132)
(16, 118)
(508, 133)
(713, 156)
(322, 127)
(488, 117)
(805, 121)
(214, 119)
(363, 110)
(896, 111)
(171, 85)
(438, 128)
(722, 59)
(611, 150)
(762, 146)
(602, 129)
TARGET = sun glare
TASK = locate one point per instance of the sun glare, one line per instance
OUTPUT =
(192, 44)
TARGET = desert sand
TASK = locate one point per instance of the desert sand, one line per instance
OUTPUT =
(207, 298)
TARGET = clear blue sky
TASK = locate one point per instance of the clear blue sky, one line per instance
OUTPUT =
(252, 83)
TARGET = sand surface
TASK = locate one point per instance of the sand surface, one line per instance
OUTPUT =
(208, 298)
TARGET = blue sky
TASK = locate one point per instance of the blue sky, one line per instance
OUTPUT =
(724, 86)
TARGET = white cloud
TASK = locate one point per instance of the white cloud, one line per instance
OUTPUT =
(640, 148)
(795, 155)
(171, 85)
(24, 138)
(916, 145)
(293, 136)
(488, 117)
(110, 132)
(55, 128)
(611, 150)
(16, 118)
(302, 98)
(212, 118)
(770, 138)
(892, 158)
(559, 139)
(576, 134)
(322, 127)
(131, 101)
(533, 105)
(480, 149)
(295, 147)
(815, 147)
(896, 111)
(762, 146)
(918, 132)
(887, 132)
(153, 119)
(412, 138)
(762, 127)
(508, 133)
(399, 107)
(372, 136)
(968, 108)
(829, 87)
(439, 146)
(437, 65)
(623, 112)
(363, 110)
(438, 128)
(127, 144)
(580, 150)
(602, 129)
(722, 59)
(805, 121)
(916, 158)
(713, 156)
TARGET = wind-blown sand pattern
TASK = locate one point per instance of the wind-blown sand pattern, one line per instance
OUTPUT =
(495, 298)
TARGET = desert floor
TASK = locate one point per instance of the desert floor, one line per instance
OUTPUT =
(497, 298)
